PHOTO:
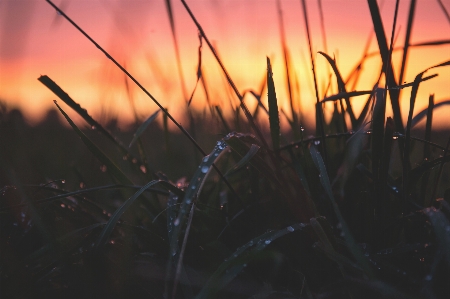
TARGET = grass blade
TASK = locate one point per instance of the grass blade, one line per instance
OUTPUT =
(341, 88)
(112, 168)
(350, 242)
(274, 118)
(244, 161)
(144, 126)
(389, 72)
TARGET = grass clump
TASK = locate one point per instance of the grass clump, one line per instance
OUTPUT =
(359, 210)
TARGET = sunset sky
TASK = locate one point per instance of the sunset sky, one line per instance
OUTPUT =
(35, 40)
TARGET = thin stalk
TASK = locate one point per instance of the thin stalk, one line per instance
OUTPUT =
(319, 114)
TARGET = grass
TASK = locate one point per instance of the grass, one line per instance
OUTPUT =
(361, 209)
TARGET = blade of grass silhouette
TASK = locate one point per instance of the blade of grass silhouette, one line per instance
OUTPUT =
(112, 168)
(143, 127)
(428, 125)
(199, 68)
(287, 67)
(341, 87)
(186, 133)
(412, 8)
(319, 113)
(274, 119)
(444, 10)
(229, 80)
(175, 44)
(387, 67)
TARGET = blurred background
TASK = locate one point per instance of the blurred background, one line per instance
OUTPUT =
(35, 40)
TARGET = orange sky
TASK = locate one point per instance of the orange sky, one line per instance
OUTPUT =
(35, 41)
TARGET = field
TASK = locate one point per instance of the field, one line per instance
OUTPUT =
(231, 207)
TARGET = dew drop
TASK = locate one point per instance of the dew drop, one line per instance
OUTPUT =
(317, 142)
(112, 241)
(267, 242)
(63, 181)
(205, 169)
(205, 159)
(143, 168)
(63, 205)
(302, 129)
(394, 137)
(93, 127)
(193, 187)
(176, 222)
(290, 228)
(103, 168)
(82, 185)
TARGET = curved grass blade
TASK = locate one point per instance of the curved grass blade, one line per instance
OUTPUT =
(144, 126)
(341, 87)
(407, 145)
(244, 161)
(232, 266)
(112, 168)
(419, 116)
(103, 237)
(350, 242)
(274, 118)
(192, 192)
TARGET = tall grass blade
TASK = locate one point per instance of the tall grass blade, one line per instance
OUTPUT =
(144, 126)
(232, 266)
(387, 66)
(111, 167)
(319, 113)
(274, 118)
(377, 143)
(350, 241)
(175, 44)
(428, 125)
(412, 8)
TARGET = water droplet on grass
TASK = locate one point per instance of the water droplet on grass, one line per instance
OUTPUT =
(143, 169)
(290, 228)
(93, 127)
(176, 222)
(63, 181)
(205, 159)
(205, 169)
(317, 142)
(267, 242)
